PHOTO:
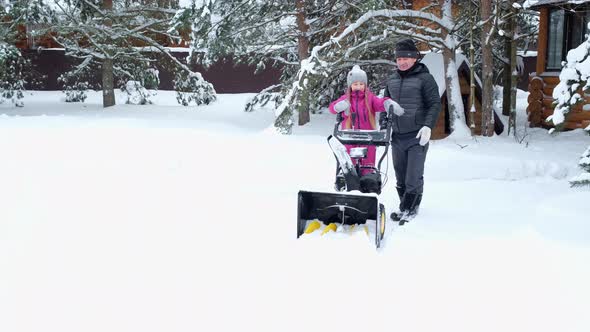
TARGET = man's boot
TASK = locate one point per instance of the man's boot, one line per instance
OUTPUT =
(411, 206)
(396, 216)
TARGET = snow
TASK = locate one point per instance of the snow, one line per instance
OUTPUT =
(169, 218)
(583, 177)
(527, 53)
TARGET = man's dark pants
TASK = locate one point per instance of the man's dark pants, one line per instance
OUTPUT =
(408, 161)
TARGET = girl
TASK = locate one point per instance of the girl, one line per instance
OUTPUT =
(359, 100)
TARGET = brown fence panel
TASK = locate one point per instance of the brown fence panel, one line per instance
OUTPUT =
(225, 76)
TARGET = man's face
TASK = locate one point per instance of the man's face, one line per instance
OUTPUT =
(404, 64)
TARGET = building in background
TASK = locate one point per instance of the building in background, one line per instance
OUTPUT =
(563, 25)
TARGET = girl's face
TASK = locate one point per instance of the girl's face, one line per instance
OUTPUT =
(358, 86)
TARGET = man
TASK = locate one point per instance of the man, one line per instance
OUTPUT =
(415, 89)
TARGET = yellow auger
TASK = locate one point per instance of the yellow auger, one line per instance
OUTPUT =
(331, 227)
(312, 227)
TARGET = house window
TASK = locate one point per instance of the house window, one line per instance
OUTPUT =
(567, 30)
(555, 43)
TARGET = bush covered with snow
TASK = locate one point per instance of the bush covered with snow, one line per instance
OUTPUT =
(136, 93)
(75, 82)
(135, 80)
(192, 88)
(76, 93)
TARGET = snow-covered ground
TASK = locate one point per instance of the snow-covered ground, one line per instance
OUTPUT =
(166, 218)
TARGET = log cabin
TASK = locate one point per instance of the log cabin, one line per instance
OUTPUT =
(562, 27)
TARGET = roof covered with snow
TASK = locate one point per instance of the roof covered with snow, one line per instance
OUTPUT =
(435, 64)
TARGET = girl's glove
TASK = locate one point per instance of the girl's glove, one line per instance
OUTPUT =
(424, 135)
(397, 109)
(342, 106)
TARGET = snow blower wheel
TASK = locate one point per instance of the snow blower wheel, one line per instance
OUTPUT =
(380, 226)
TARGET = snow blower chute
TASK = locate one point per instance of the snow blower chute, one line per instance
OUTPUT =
(356, 198)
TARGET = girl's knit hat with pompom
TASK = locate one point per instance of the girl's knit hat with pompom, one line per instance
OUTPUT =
(356, 75)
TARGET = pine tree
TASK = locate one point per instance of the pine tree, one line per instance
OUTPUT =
(9, 55)
(11, 75)
(584, 178)
(574, 81)
(266, 33)
(14, 69)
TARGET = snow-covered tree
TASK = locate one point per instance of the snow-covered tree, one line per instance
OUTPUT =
(76, 82)
(14, 69)
(449, 46)
(511, 28)
(574, 81)
(487, 71)
(383, 27)
(316, 43)
(584, 178)
(12, 80)
(124, 39)
(516, 26)
(190, 90)
(268, 33)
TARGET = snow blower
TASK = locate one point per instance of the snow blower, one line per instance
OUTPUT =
(356, 199)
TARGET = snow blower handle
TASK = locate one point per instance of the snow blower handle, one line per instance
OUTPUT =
(340, 118)
(383, 118)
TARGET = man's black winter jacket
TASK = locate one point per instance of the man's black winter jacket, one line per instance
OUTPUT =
(417, 92)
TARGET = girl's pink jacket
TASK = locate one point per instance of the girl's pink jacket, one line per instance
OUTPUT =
(364, 118)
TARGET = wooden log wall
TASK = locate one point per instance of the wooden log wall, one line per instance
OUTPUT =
(541, 104)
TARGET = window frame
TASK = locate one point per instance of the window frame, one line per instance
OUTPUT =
(567, 43)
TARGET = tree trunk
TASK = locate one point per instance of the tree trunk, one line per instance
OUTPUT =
(108, 82)
(452, 85)
(303, 52)
(507, 77)
(514, 77)
(471, 81)
(487, 123)
(454, 99)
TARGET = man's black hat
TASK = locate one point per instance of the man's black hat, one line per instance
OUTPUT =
(406, 48)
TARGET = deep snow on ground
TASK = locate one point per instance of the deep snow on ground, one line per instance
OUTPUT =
(167, 218)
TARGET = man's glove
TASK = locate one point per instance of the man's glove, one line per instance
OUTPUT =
(397, 109)
(342, 106)
(424, 135)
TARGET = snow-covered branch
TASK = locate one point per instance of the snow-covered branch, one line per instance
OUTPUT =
(311, 65)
